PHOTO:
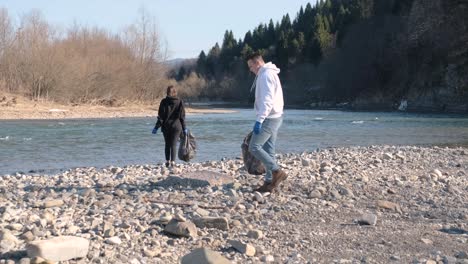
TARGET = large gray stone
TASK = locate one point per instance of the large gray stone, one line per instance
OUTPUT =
(197, 179)
(185, 229)
(6, 235)
(256, 234)
(212, 222)
(368, 219)
(242, 247)
(59, 248)
(204, 256)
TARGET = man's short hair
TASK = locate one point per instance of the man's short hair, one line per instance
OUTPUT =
(254, 56)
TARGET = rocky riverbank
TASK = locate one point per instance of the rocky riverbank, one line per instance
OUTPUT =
(380, 204)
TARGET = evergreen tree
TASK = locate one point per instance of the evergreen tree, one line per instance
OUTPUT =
(212, 61)
(270, 34)
(181, 74)
(285, 25)
(229, 42)
(296, 47)
(227, 51)
(331, 25)
(321, 35)
(248, 38)
(327, 6)
(298, 24)
(308, 20)
(258, 37)
(282, 49)
(201, 64)
(246, 51)
(238, 49)
(342, 20)
(361, 9)
(326, 24)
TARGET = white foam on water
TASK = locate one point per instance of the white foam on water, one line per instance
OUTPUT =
(5, 138)
(357, 122)
(27, 139)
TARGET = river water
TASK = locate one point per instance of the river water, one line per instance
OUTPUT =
(47, 146)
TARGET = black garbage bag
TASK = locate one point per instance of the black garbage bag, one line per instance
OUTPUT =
(187, 147)
(252, 164)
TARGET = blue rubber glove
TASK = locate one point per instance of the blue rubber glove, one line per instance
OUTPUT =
(155, 130)
(185, 131)
(257, 127)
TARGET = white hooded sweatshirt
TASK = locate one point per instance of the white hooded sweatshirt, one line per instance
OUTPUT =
(268, 93)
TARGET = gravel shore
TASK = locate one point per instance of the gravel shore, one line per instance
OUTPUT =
(378, 204)
(18, 108)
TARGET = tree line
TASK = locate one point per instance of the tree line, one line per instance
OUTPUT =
(335, 51)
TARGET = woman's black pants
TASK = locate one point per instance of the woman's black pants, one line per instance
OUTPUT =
(170, 138)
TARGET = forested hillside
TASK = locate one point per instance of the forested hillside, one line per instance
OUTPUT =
(364, 54)
(360, 54)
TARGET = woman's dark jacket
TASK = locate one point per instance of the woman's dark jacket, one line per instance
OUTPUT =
(172, 113)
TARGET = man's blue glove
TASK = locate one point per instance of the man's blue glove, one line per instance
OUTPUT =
(257, 126)
(185, 131)
(155, 130)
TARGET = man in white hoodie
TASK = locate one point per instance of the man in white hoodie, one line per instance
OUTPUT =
(269, 116)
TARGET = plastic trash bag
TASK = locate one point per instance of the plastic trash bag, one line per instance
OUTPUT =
(252, 164)
(187, 147)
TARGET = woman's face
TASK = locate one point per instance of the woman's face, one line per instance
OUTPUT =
(171, 92)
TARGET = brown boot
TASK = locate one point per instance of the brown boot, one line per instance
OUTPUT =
(278, 176)
(266, 187)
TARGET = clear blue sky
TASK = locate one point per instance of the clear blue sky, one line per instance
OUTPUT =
(187, 26)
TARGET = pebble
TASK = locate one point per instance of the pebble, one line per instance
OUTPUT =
(368, 219)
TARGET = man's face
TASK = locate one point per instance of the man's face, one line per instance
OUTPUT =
(254, 65)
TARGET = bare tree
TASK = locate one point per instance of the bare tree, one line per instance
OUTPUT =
(6, 31)
(35, 58)
(84, 65)
(191, 86)
(144, 40)
(7, 37)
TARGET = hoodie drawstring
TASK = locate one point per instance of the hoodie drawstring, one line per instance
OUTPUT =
(253, 84)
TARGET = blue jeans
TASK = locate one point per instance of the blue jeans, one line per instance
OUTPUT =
(262, 145)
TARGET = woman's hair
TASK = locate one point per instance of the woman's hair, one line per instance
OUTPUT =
(171, 91)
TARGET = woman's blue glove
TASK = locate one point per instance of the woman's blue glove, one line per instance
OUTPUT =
(257, 127)
(155, 130)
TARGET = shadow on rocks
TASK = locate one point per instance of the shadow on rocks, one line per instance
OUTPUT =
(14, 254)
(454, 231)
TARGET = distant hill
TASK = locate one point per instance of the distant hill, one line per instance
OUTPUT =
(178, 62)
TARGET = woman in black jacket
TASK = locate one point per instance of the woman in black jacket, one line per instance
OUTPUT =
(171, 118)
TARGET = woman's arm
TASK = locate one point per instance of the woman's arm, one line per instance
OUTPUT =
(162, 111)
(182, 115)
